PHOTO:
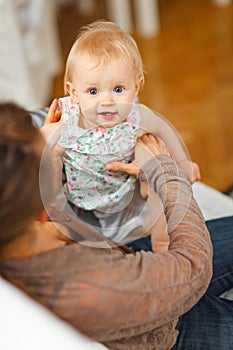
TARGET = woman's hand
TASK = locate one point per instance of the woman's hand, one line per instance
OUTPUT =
(147, 147)
(53, 115)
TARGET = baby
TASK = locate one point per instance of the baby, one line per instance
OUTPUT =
(101, 122)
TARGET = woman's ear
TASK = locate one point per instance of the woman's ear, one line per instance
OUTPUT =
(71, 91)
(139, 85)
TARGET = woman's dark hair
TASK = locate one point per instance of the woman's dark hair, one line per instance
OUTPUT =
(21, 146)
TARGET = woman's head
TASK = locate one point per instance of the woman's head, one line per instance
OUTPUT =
(104, 69)
(21, 147)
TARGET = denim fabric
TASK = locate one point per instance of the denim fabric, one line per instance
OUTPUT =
(209, 324)
(141, 244)
(221, 232)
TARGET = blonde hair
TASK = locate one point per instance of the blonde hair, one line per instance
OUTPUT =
(104, 41)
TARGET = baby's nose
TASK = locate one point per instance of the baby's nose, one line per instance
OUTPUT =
(107, 99)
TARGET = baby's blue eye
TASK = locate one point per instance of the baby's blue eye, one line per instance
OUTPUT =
(118, 89)
(93, 91)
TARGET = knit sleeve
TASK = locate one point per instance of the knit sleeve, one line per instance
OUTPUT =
(120, 296)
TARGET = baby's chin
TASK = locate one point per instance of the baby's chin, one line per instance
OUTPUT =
(107, 125)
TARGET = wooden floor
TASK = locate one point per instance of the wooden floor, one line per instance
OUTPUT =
(189, 77)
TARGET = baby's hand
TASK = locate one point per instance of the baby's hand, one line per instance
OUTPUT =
(191, 169)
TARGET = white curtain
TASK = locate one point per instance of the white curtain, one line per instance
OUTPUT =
(30, 54)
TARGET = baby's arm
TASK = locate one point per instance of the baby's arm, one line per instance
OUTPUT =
(159, 126)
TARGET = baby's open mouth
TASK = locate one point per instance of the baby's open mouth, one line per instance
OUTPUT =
(108, 115)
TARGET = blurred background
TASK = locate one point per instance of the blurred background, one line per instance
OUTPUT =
(186, 46)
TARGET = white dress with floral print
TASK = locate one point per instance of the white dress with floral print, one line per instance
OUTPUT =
(89, 185)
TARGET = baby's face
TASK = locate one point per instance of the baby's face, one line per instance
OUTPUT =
(105, 92)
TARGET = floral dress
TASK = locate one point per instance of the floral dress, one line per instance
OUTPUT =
(89, 185)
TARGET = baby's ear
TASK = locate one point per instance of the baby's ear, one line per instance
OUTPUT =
(71, 91)
(139, 85)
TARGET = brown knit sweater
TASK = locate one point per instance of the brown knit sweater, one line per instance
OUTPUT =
(127, 301)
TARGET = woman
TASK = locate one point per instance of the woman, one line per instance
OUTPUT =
(126, 301)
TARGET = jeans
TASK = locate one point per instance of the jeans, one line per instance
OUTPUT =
(209, 324)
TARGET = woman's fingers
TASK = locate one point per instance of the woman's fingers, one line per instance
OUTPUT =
(146, 148)
(130, 168)
(153, 144)
(53, 115)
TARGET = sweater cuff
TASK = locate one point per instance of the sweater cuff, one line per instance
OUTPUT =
(162, 168)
